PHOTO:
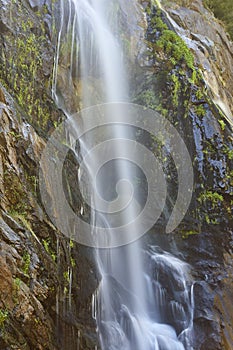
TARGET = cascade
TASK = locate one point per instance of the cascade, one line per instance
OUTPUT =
(144, 298)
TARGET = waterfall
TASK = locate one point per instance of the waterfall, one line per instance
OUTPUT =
(144, 300)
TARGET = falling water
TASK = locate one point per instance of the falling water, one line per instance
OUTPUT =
(144, 299)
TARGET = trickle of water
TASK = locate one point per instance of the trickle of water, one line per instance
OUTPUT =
(143, 300)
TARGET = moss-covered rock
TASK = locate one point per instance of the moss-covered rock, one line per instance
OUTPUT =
(26, 60)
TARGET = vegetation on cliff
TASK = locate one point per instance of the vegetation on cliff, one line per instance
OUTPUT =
(224, 11)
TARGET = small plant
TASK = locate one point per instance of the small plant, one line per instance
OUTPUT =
(72, 262)
(176, 89)
(22, 217)
(186, 234)
(71, 243)
(3, 317)
(176, 48)
(15, 135)
(148, 99)
(16, 288)
(199, 94)
(200, 111)
(66, 276)
(17, 283)
(213, 197)
(47, 246)
(222, 124)
(26, 263)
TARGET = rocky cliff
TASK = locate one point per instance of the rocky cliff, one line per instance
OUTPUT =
(40, 306)
(181, 63)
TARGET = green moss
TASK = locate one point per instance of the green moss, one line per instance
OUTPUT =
(72, 262)
(189, 233)
(171, 51)
(200, 111)
(32, 180)
(228, 152)
(148, 99)
(15, 135)
(16, 193)
(158, 23)
(29, 62)
(209, 220)
(177, 70)
(49, 250)
(175, 48)
(26, 263)
(212, 197)
(16, 288)
(222, 124)
(22, 218)
(71, 244)
(66, 276)
(17, 283)
(199, 94)
(3, 317)
(22, 69)
(176, 89)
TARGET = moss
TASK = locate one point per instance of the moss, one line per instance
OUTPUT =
(66, 276)
(199, 94)
(22, 67)
(29, 62)
(26, 263)
(212, 197)
(168, 48)
(17, 283)
(175, 48)
(189, 233)
(33, 181)
(175, 58)
(158, 24)
(49, 250)
(15, 135)
(3, 317)
(16, 193)
(222, 124)
(176, 89)
(147, 98)
(22, 218)
(16, 288)
(228, 151)
(200, 110)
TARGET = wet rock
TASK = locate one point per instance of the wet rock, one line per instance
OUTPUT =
(32, 264)
(212, 48)
(36, 3)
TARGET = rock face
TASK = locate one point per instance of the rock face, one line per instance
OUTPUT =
(205, 236)
(46, 281)
(212, 48)
(40, 307)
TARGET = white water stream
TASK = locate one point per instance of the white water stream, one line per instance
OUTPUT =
(144, 299)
